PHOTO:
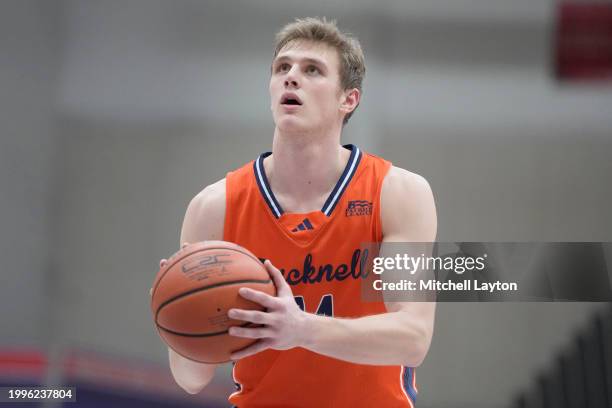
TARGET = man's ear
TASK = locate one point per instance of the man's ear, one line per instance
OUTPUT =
(350, 101)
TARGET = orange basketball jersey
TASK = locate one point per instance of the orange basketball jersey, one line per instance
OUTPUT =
(321, 258)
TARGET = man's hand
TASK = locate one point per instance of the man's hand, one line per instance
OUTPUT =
(283, 324)
(163, 262)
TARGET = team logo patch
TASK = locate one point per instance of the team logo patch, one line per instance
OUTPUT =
(358, 207)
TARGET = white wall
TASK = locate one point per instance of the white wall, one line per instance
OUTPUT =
(29, 42)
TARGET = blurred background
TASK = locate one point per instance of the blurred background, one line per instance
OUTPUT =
(114, 114)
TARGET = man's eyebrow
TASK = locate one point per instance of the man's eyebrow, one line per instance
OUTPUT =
(284, 58)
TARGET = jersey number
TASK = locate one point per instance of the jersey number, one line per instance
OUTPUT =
(325, 308)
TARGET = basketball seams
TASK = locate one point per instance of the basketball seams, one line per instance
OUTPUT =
(211, 334)
(214, 285)
(169, 266)
(192, 359)
(158, 327)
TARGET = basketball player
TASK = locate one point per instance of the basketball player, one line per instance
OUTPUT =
(307, 207)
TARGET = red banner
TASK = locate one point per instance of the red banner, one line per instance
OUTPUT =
(584, 41)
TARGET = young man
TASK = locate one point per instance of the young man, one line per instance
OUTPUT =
(307, 207)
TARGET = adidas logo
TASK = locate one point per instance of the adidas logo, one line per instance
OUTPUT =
(304, 225)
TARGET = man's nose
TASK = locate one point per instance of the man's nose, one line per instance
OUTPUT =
(291, 78)
(291, 82)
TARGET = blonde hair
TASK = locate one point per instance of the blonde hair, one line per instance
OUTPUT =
(352, 65)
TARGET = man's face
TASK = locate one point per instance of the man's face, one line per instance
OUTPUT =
(305, 88)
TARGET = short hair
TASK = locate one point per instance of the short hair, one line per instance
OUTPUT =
(352, 65)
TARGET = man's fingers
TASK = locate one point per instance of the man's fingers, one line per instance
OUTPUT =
(250, 332)
(253, 316)
(281, 284)
(259, 297)
(164, 261)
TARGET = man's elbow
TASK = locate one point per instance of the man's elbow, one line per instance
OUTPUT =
(419, 349)
(192, 383)
(415, 360)
(191, 387)
(189, 375)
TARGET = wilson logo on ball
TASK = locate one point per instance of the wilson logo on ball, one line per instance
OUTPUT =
(206, 260)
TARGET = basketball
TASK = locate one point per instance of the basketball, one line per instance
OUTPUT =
(193, 292)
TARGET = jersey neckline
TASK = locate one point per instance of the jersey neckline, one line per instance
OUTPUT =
(332, 200)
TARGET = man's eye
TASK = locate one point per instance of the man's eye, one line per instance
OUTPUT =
(283, 67)
(312, 70)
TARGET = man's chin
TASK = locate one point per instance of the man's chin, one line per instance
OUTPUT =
(292, 124)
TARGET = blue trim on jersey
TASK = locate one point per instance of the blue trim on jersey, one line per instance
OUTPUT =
(347, 175)
(264, 186)
(407, 383)
(238, 387)
(332, 200)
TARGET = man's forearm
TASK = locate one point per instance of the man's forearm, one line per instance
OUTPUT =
(384, 339)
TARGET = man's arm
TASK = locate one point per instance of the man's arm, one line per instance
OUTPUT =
(203, 221)
(400, 337)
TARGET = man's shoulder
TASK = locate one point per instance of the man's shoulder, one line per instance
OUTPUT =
(408, 209)
(205, 215)
(211, 197)
(399, 181)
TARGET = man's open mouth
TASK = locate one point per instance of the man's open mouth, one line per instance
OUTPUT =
(290, 99)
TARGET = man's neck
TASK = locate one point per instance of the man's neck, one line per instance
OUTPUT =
(303, 169)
